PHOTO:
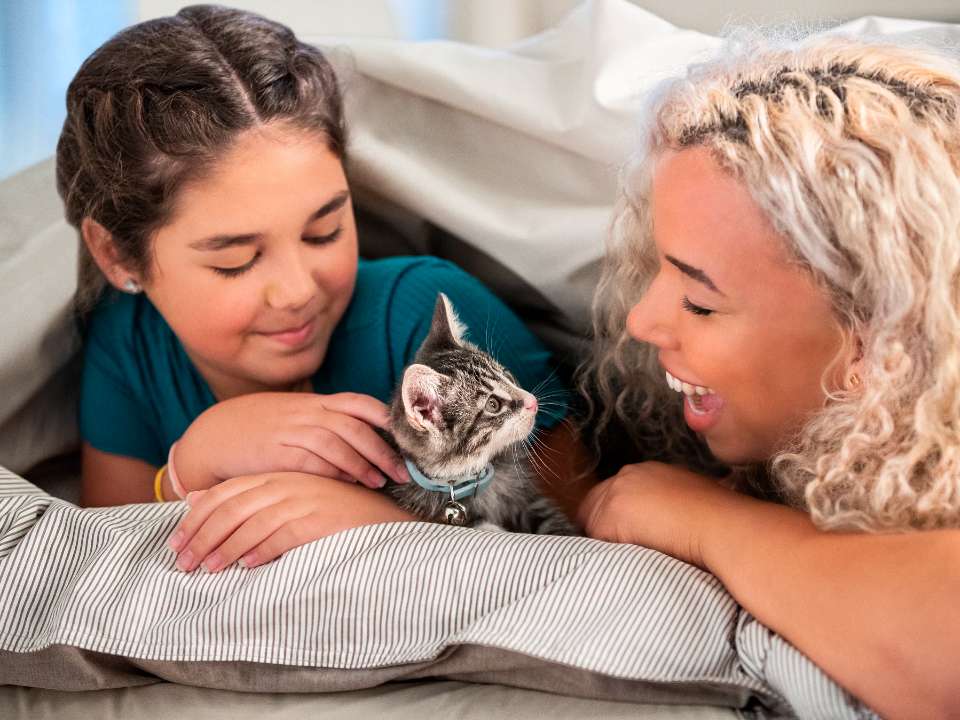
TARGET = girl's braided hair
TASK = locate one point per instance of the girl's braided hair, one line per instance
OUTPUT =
(156, 105)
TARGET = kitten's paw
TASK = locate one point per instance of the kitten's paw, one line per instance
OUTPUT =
(488, 527)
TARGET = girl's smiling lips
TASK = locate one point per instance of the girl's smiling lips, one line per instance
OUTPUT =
(294, 336)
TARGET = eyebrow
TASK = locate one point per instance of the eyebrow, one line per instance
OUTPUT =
(694, 273)
(221, 242)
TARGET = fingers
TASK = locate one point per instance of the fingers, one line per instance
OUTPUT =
(258, 524)
(362, 407)
(255, 530)
(373, 447)
(213, 516)
(286, 537)
(343, 453)
(329, 518)
(355, 448)
(297, 458)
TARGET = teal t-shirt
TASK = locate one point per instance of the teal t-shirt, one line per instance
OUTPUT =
(140, 391)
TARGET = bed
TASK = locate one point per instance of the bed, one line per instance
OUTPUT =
(491, 159)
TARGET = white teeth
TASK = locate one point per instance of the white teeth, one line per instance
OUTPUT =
(686, 388)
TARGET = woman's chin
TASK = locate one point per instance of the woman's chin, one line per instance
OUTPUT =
(733, 453)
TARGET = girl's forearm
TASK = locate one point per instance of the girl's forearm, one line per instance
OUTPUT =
(879, 613)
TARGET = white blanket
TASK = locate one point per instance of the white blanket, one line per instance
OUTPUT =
(516, 151)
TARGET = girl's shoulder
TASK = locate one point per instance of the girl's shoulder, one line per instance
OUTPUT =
(121, 321)
(409, 272)
(400, 291)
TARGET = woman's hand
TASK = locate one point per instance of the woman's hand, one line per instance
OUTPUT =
(260, 517)
(659, 506)
(328, 435)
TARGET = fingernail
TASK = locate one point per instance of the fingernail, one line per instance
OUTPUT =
(376, 479)
(248, 561)
(213, 562)
(403, 475)
(185, 560)
(176, 540)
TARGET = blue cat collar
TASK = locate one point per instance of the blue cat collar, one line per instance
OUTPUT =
(463, 487)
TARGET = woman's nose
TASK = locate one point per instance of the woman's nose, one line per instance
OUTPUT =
(648, 321)
(292, 285)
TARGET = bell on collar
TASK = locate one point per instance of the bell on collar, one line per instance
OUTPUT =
(454, 513)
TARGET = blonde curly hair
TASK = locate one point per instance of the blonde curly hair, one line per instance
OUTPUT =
(852, 149)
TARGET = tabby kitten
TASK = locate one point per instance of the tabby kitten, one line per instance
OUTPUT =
(457, 419)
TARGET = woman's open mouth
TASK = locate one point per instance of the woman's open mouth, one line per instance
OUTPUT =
(702, 406)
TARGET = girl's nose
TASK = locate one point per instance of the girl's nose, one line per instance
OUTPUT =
(292, 286)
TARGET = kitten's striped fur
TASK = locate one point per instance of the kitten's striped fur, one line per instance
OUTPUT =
(456, 410)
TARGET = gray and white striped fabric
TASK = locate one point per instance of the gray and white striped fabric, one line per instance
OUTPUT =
(390, 595)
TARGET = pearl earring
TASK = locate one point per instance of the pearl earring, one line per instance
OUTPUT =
(132, 286)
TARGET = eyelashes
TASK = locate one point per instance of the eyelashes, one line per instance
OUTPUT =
(236, 271)
(324, 239)
(695, 309)
(315, 240)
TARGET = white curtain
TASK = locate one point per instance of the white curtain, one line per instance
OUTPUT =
(498, 23)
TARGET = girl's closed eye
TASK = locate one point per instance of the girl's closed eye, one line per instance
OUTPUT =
(324, 239)
(311, 240)
(239, 269)
(695, 309)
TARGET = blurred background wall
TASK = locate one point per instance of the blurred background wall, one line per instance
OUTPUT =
(43, 42)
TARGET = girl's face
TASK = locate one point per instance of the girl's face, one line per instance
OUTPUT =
(258, 264)
(728, 313)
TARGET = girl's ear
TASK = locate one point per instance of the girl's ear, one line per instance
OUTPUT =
(100, 243)
(421, 398)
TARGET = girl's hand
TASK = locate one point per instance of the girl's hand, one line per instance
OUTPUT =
(659, 506)
(328, 435)
(260, 517)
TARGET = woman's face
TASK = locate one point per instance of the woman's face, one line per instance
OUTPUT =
(728, 313)
(258, 263)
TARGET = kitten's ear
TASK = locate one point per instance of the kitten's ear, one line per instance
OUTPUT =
(420, 391)
(446, 328)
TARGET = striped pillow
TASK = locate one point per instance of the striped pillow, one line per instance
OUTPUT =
(92, 599)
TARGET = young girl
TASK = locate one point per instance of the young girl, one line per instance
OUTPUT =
(231, 331)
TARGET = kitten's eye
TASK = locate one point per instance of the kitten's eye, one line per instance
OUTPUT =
(493, 405)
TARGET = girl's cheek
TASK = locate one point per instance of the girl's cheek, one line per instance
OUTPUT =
(238, 308)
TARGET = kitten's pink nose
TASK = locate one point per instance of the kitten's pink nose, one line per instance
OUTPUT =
(530, 404)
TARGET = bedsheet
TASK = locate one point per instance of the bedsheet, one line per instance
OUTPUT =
(397, 701)
(94, 601)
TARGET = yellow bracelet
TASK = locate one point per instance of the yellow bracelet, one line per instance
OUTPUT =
(158, 485)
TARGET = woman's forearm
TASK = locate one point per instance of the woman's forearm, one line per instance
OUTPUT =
(879, 613)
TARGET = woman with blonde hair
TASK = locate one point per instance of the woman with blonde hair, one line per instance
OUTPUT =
(782, 296)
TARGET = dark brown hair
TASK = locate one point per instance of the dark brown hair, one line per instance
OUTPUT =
(155, 106)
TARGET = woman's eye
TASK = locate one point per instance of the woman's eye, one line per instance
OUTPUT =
(695, 309)
(493, 405)
(236, 271)
(324, 239)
